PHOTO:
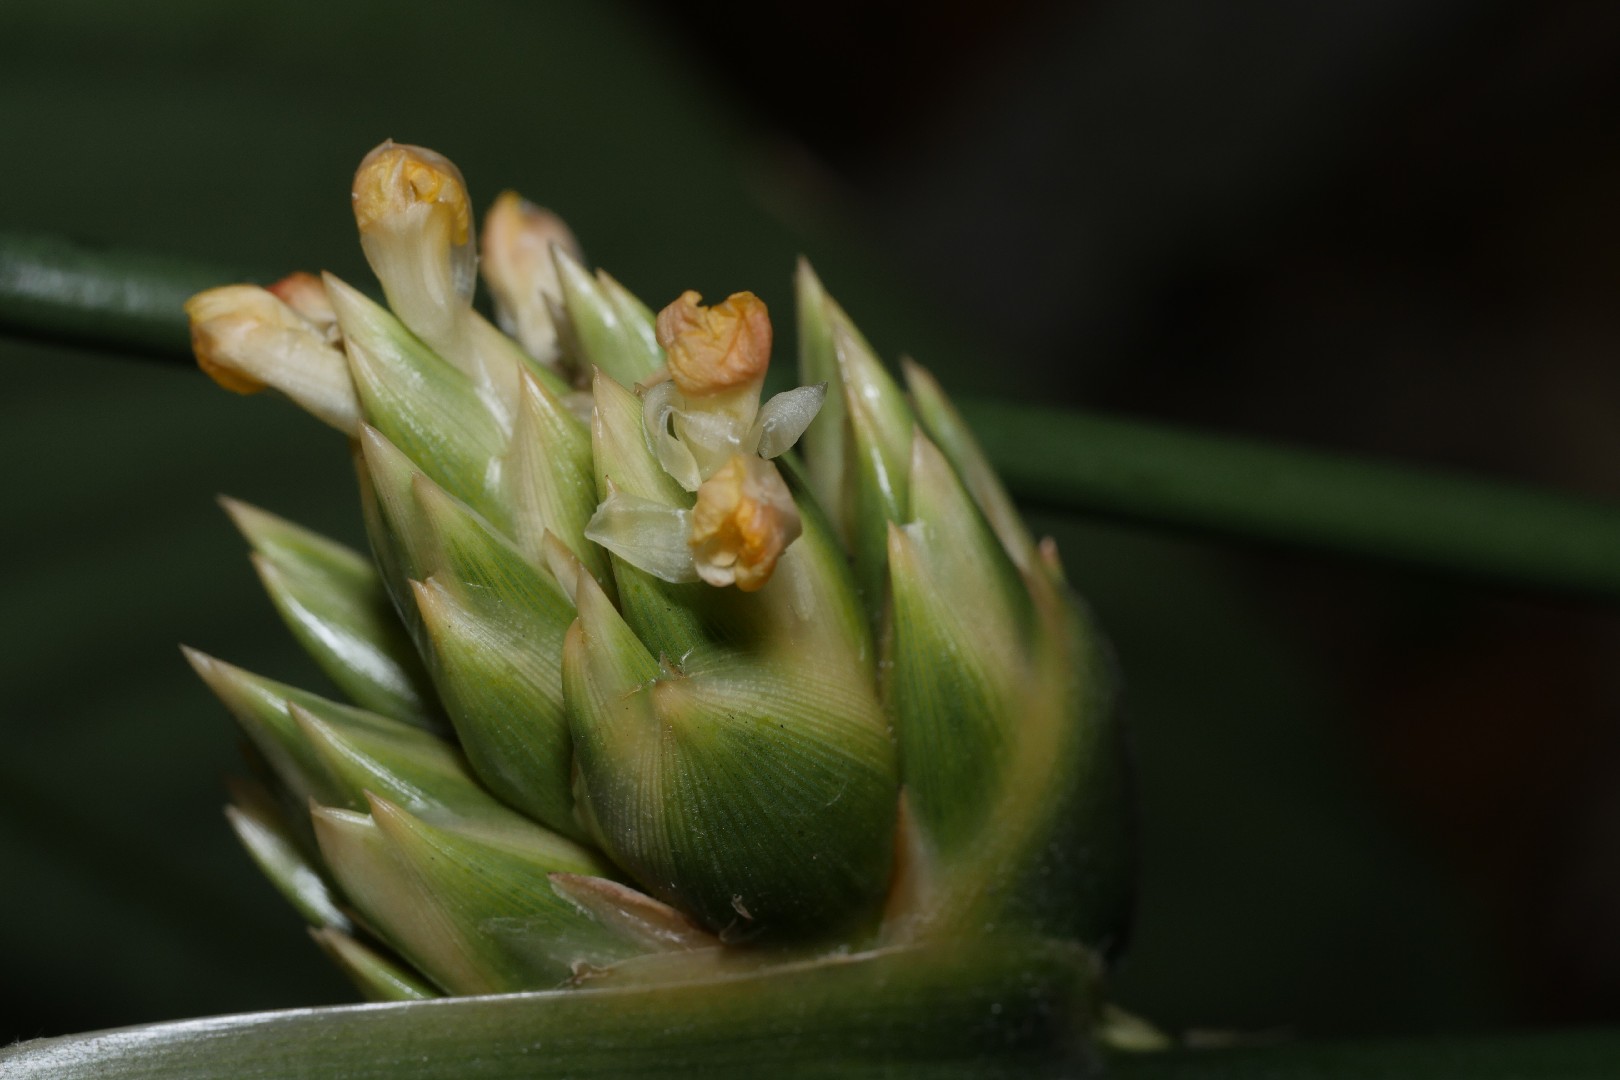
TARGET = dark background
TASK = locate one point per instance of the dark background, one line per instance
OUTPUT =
(1373, 802)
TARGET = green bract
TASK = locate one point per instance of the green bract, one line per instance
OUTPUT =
(637, 695)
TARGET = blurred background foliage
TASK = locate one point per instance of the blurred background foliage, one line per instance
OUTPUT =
(1373, 802)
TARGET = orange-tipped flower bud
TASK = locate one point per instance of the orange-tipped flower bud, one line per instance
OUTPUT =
(394, 179)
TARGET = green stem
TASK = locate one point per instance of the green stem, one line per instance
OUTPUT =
(1067, 460)
(69, 293)
(1153, 474)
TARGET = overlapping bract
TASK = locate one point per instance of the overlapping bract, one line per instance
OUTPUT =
(574, 752)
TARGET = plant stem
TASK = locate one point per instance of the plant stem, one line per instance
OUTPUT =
(68, 293)
(1129, 470)
(1111, 467)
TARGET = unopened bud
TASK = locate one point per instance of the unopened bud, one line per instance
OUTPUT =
(416, 228)
(521, 273)
(396, 180)
(743, 520)
(246, 339)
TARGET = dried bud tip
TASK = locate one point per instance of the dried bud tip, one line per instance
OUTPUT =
(743, 521)
(395, 178)
(712, 350)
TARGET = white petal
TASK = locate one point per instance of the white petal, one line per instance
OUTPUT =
(783, 419)
(648, 535)
(660, 402)
(711, 437)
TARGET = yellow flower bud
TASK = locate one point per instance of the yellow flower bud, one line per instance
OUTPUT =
(224, 324)
(247, 338)
(743, 520)
(719, 349)
(416, 229)
(393, 179)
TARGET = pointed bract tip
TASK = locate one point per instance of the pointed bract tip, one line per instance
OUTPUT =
(340, 292)
(309, 723)
(927, 465)
(805, 276)
(914, 373)
(571, 275)
(335, 818)
(383, 810)
(373, 445)
(563, 563)
(224, 679)
(591, 601)
(249, 520)
(200, 662)
(435, 601)
(901, 546)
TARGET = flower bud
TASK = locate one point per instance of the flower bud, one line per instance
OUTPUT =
(246, 339)
(521, 274)
(416, 228)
